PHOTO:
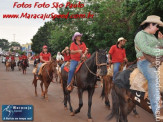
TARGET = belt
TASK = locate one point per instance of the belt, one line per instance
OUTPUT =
(141, 58)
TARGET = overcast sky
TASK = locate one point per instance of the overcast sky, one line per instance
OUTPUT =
(23, 29)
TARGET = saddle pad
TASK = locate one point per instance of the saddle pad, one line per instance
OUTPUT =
(41, 68)
(138, 81)
(67, 67)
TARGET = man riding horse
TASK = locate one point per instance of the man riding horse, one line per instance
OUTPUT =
(78, 51)
(45, 57)
(117, 55)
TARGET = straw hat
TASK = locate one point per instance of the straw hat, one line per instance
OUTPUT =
(153, 19)
(121, 38)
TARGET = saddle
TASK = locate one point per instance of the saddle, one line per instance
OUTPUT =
(41, 69)
(67, 66)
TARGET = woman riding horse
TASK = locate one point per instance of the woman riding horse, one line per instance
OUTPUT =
(45, 57)
(146, 42)
(78, 51)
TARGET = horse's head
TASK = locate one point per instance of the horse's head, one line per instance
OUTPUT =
(53, 65)
(101, 62)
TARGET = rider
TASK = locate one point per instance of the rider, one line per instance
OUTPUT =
(118, 55)
(66, 54)
(45, 57)
(13, 59)
(7, 58)
(145, 41)
(78, 51)
(24, 57)
(20, 59)
(59, 57)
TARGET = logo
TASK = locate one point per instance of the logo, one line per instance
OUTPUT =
(17, 112)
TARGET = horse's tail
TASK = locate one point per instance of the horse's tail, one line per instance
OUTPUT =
(115, 105)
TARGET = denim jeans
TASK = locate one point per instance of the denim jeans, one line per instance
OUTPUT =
(150, 73)
(38, 68)
(62, 66)
(73, 65)
(115, 69)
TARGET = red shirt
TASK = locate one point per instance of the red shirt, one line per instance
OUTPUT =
(117, 54)
(7, 57)
(12, 58)
(20, 58)
(45, 57)
(24, 57)
(76, 56)
(66, 57)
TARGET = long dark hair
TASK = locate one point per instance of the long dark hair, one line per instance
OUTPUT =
(142, 27)
(76, 43)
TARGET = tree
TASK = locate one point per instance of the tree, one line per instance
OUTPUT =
(4, 44)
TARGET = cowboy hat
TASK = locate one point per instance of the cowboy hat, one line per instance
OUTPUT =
(121, 38)
(153, 19)
(75, 35)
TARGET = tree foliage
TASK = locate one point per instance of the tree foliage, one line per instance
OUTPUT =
(112, 19)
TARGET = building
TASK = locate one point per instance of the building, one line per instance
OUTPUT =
(27, 48)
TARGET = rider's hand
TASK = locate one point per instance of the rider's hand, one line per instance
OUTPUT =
(80, 51)
(160, 35)
(110, 61)
(125, 59)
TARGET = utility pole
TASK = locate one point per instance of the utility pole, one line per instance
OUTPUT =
(14, 37)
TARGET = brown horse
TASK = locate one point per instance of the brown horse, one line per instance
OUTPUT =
(46, 77)
(13, 64)
(85, 79)
(8, 65)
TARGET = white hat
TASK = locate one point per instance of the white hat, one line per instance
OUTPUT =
(121, 38)
(153, 19)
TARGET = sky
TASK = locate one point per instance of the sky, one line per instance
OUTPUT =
(22, 30)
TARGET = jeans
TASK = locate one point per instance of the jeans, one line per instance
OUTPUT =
(150, 73)
(115, 69)
(62, 66)
(73, 65)
(38, 68)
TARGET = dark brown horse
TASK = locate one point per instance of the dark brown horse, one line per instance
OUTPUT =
(24, 65)
(47, 75)
(13, 64)
(124, 99)
(107, 81)
(86, 79)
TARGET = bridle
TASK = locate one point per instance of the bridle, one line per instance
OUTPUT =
(97, 64)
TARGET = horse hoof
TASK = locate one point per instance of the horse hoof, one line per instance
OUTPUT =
(136, 116)
(72, 114)
(65, 108)
(90, 120)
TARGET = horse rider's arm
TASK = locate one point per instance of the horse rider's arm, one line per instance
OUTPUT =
(109, 57)
(42, 59)
(76, 51)
(50, 58)
(63, 51)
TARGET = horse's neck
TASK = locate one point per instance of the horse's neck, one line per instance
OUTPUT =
(91, 63)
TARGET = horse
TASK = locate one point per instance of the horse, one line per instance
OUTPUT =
(85, 79)
(8, 65)
(19, 65)
(13, 64)
(24, 65)
(124, 99)
(45, 78)
(107, 80)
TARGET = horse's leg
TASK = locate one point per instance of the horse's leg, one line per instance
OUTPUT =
(65, 98)
(90, 94)
(80, 95)
(69, 101)
(46, 90)
(107, 90)
(135, 112)
(41, 84)
(35, 84)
